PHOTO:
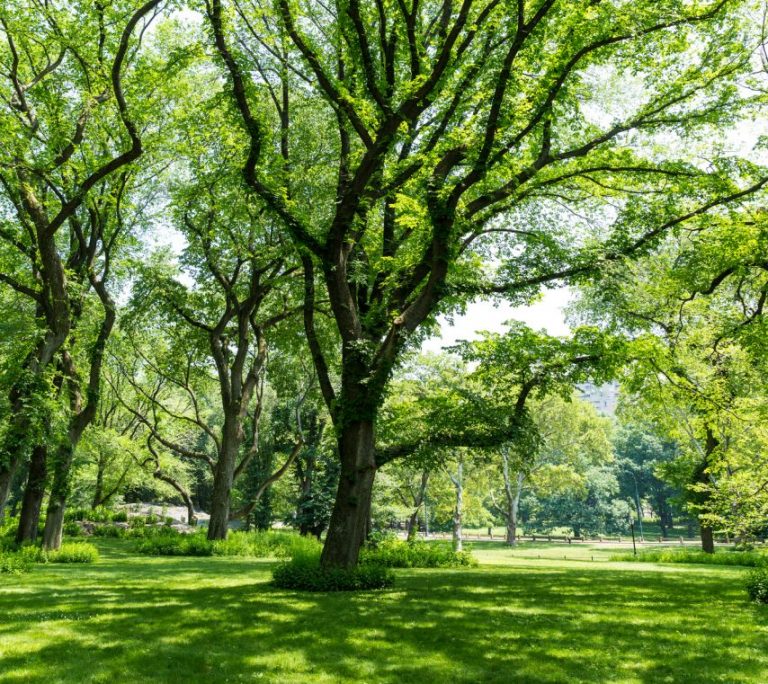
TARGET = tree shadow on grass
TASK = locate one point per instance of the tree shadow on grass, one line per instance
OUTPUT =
(189, 620)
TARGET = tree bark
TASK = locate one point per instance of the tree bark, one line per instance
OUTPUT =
(413, 526)
(349, 519)
(701, 476)
(223, 477)
(512, 491)
(54, 518)
(6, 480)
(98, 494)
(33, 495)
(458, 483)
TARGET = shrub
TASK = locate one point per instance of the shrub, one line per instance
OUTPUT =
(266, 544)
(14, 564)
(120, 516)
(72, 529)
(112, 531)
(757, 585)
(70, 552)
(99, 514)
(745, 558)
(174, 544)
(394, 553)
(305, 573)
(74, 552)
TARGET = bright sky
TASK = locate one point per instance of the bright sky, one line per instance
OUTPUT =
(547, 313)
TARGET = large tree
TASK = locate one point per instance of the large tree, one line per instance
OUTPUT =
(457, 133)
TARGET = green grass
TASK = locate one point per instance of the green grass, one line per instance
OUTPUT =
(130, 618)
(753, 559)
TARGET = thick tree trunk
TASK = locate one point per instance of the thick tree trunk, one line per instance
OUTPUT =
(57, 502)
(458, 483)
(707, 539)
(220, 500)
(223, 478)
(349, 519)
(33, 495)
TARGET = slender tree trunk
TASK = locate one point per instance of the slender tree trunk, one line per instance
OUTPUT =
(458, 483)
(413, 526)
(514, 507)
(701, 476)
(349, 519)
(183, 493)
(33, 495)
(14, 450)
(98, 493)
(7, 474)
(418, 501)
(513, 487)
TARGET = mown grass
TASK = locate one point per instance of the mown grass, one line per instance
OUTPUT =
(752, 559)
(130, 618)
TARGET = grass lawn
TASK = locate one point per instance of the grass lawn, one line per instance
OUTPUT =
(516, 618)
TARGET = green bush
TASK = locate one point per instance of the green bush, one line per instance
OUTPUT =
(70, 552)
(167, 542)
(266, 544)
(14, 564)
(174, 544)
(305, 573)
(394, 553)
(100, 514)
(137, 521)
(112, 531)
(120, 516)
(74, 552)
(72, 529)
(752, 559)
(757, 585)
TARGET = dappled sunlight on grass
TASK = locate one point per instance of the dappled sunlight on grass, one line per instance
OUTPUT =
(131, 618)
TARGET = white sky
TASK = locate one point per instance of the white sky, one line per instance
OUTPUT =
(547, 313)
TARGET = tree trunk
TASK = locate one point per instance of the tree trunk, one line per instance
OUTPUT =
(224, 476)
(513, 509)
(349, 519)
(6, 480)
(54, 519)
(98, 494)
(512, 491)
(413, 526)
(220, 500)
(33, 495)
(458, 483)
(701, 476)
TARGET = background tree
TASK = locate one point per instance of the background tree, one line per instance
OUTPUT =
(71, 142)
